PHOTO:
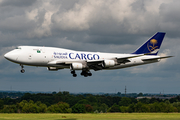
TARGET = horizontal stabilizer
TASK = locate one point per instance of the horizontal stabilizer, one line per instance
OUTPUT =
(150, 59)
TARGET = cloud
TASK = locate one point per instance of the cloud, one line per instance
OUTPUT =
(170, 19)
(17, 3)
(118, 26)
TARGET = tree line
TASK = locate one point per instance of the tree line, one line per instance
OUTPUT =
(63, 102)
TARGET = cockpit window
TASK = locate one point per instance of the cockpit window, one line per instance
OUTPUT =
(18, 47)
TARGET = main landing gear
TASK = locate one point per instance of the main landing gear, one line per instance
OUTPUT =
(74, 73)
(83, 73)
(86, 73)
(22, 70)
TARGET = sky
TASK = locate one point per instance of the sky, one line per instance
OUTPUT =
(115, 26)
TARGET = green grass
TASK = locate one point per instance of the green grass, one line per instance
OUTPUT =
(105, 116)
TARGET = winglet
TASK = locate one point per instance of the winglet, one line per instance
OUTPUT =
(151, 46)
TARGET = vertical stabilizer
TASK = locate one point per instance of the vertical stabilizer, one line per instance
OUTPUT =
(151, 46)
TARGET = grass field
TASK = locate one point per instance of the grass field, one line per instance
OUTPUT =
(105, 116)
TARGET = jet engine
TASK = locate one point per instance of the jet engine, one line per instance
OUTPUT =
(108, 63)
(77, 66)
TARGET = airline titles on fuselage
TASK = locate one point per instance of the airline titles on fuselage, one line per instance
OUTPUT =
(81, 56)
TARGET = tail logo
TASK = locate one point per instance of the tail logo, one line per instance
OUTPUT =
(152, 45)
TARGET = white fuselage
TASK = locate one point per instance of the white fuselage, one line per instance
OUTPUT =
(47, 56)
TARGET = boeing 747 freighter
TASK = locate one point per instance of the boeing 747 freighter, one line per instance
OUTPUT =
(58, 58)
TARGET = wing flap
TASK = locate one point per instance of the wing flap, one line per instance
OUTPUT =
(95, 64)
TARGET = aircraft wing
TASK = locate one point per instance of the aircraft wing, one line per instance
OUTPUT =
(126, 59)
(149, 59)
(95, 64)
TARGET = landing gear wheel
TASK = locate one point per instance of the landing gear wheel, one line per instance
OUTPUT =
(73, 72)
(22, 71)
(83, 73)
(89, 74)
(74, 75)
(86, 73)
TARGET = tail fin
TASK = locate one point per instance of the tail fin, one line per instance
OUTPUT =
(151, 46)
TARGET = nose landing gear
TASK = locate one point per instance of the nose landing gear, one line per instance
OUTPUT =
(22, 70)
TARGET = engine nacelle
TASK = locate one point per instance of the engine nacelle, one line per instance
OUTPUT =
(76, 66)
(108, 63)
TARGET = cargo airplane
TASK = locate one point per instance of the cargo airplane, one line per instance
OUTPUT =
(58, 58)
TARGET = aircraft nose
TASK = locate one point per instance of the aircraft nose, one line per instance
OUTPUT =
(10, 56)
(6, 55)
